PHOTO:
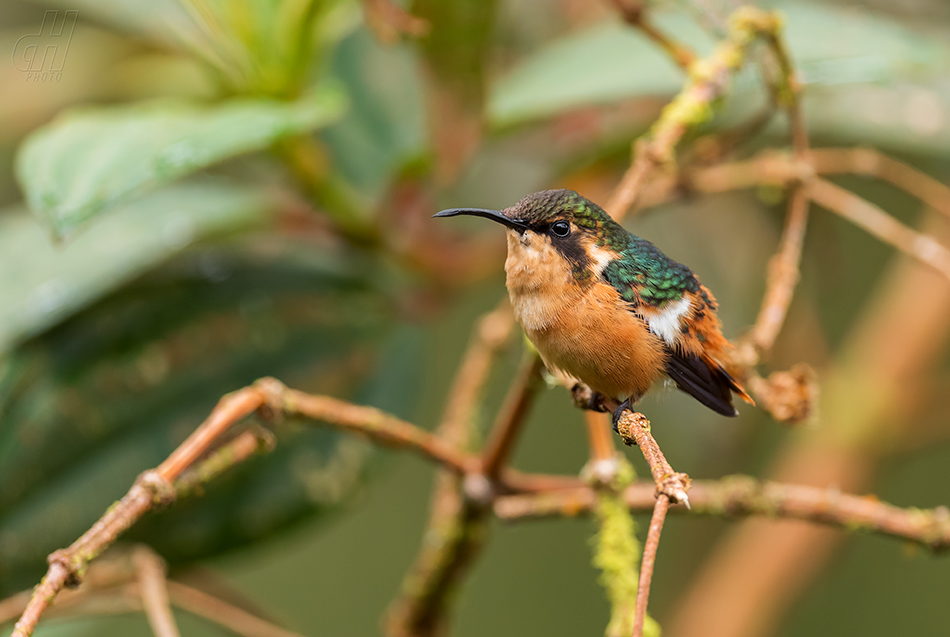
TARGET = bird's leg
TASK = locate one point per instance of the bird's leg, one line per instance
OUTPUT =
(586, 398)
(619, 412)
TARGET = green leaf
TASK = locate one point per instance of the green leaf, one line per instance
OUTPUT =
(90, 404)
(41, 284)
(89, 159)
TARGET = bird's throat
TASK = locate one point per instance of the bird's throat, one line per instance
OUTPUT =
(540, 285)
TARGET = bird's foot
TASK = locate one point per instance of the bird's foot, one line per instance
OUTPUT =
(619, 412)
(586, 398)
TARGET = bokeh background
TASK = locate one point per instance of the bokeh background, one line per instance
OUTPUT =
(289, 235)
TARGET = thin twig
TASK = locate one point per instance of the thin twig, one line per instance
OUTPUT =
(784, 266)
(783, 274)
(649, 561)
(708, 81)
(421, 612)
(875, 221)
(153, 588)
(417, 610)
(871, 163)
(740, 495)
(229, 410)
(235, 619)
(377, 425)
(511, 417)
(634, 14)
(493, 331)
(156, 487)
(634, 428)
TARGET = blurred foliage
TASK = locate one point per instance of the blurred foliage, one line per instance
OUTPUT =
(146, 146)
(207, 163)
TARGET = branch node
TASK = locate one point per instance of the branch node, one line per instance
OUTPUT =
(674, 487)
(273, 392)
(601, 473)
(478, 489)
(163, 492)
(790, 396)
(626, 424)
(75, 570)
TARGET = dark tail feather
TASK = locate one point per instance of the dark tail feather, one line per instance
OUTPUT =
(705, 381)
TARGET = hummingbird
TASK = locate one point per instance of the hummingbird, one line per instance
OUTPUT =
(606, 308)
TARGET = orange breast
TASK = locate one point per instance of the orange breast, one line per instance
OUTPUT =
(597, 340)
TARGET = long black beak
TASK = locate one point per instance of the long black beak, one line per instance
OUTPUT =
(494, 215)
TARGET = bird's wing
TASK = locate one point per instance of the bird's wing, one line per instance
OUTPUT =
(704, 380)
(667, 296)
(656, 288)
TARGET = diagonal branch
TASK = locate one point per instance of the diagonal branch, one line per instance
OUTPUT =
(875, 221)
(783, 275)
(511, 417)
(871, 163)
(708, 81)
(235, 619)
(634, 14)
(419, 607)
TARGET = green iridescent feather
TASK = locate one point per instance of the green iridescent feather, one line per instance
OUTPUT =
(645, 272)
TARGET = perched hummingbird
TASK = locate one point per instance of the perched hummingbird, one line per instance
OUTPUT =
(607, 308)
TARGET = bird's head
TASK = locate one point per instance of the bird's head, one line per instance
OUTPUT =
(556, 223)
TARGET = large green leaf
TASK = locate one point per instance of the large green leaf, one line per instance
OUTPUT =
(89, 159)
(41, 283)
(867, 78)
(91, 403)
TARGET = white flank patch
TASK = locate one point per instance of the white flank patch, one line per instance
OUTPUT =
(666, 324)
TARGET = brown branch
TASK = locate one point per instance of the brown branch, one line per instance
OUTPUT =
(634, 14)
(377, 425)
(153, 589)
(152, 488)
(156, 487)
(708, 81)
(494, 330)
(235, 619)
(876, 222)
(229, 410)
(634, 428)
(740, 495)
(419, 608)
(601, 442)
(783, 275)
(511, 417)
(784, 266)
(421, 611)
(871, 163)
(133, 581)
(649, 561)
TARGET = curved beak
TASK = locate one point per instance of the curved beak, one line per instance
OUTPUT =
(494, 215)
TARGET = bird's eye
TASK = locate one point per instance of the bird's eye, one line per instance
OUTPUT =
(560, 229)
